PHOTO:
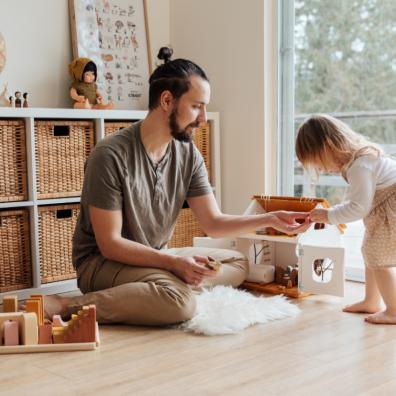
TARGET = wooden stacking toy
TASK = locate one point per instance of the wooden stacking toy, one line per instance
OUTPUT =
(28, 331)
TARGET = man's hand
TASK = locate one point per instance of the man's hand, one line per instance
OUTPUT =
(287, 221)
(191, 270)
(319, 216)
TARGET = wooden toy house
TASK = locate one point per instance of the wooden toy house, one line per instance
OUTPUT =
(312, 261)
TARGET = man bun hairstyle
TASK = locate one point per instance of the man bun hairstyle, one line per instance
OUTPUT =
(165, 53)
(172, 76)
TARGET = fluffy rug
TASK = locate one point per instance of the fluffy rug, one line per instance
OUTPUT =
(225, 310)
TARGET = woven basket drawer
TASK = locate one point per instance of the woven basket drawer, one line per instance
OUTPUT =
(62, 148)
(15, 263)
(56, 229)
(187, 227)
(202, 141)
(13, 179)
(111, 127)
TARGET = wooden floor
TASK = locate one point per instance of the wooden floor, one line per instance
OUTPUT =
(322, 352)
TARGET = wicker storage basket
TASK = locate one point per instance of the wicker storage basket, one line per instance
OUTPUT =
(111, 127)
(12, 161)
(187, 227)
(202, 141)
(62, 148)
(56, 228)
(15, 263)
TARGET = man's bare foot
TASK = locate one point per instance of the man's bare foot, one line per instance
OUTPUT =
(56, 305)
(363, 307)
(383, 317)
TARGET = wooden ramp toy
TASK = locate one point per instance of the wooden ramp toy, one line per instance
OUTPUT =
(28, 331)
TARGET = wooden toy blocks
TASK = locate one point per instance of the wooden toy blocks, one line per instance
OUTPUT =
(10, 303)
(11, 332)
(29, 331)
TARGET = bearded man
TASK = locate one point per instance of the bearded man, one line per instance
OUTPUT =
(135, 184)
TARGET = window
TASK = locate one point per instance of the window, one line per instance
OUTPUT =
(344, 65)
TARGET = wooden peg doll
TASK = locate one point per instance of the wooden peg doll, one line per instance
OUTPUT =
(18, 100)
(25, 100)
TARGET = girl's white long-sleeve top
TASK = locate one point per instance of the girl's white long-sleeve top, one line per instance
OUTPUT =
(365, 176)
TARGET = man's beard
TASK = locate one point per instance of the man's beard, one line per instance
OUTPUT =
(180, 134)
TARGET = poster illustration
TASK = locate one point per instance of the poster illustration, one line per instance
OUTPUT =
(113, 33)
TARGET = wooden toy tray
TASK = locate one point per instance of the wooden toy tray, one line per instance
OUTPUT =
(81, 346)
(274, 288)
(33, 333)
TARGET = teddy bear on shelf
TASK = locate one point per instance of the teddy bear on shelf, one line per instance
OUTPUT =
(83, 89)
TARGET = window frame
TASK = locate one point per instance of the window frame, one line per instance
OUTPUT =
(286, 119)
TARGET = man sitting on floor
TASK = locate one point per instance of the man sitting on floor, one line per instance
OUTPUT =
(136, 181)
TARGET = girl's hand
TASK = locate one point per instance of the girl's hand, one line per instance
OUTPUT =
(319, 216)
(80, 99)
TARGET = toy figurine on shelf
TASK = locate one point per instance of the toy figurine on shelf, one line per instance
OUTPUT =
(11, 101)
(25, 100)
(84, 90)
(18, 100)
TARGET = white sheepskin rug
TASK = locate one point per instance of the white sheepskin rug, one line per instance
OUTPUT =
(225, 310)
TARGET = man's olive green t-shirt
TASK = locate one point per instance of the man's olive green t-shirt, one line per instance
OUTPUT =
(120, 175)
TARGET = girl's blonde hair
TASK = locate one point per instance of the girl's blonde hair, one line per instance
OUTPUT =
(322, 136)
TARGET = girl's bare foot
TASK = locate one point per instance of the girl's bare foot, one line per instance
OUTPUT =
(363, 307)
(383, 317)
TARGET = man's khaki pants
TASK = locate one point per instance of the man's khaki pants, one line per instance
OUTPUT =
(149, 296)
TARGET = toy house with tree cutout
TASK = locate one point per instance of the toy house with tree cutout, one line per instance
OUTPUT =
(310, 262)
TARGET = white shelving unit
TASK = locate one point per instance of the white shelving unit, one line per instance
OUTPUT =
(29, 115)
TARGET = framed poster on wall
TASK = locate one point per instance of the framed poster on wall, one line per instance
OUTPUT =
(114, 35)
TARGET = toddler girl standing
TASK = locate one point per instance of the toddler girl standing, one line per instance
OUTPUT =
(327, 144)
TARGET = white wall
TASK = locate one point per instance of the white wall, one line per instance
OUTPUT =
(37, 34)
(226, 37)
(38, 44)
(158, 21)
